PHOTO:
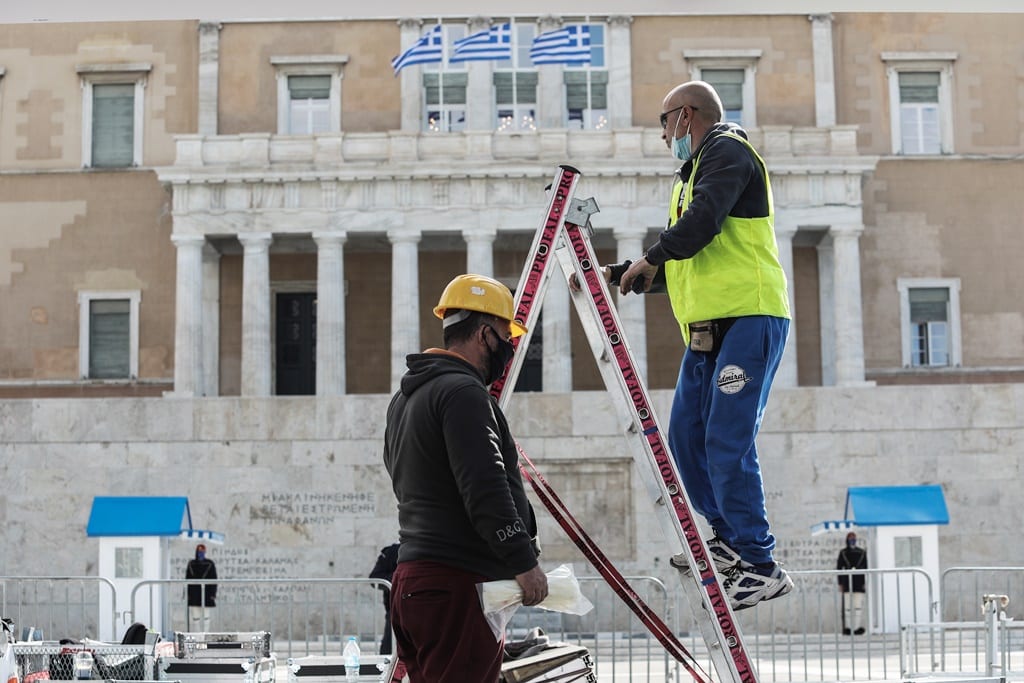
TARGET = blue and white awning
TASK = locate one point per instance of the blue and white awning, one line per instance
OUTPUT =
(202, 535)
(145, 516)
(832, 525)
(889, 506)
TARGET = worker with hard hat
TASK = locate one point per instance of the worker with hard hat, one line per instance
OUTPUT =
(463, 514)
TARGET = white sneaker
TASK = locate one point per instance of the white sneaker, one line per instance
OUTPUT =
(724, 557)
(747, 585)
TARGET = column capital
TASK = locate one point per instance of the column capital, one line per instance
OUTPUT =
(825, 18)
(620, 20)
(208, 27)
(479, 23)
(785, 229)
(255, 241)
(631, 232)
(400, 236)
(410, 23)
(548, 22)
(846, 229)
(188, 240)
(480, 233)
(330, 237)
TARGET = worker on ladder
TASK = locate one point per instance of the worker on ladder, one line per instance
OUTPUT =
(719, 263)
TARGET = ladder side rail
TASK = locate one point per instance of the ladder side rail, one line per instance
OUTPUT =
(596, 303)
(535, 277)
(529, 297)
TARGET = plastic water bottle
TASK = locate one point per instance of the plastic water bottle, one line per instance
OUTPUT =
(83, 665)
(351, 655)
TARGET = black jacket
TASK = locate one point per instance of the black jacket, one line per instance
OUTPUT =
(384, 568)
(203, 569)
(852, 558)
(729, 182)
(453, 467)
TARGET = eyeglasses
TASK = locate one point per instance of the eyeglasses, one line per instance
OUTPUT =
(498, 334)
(664, 115)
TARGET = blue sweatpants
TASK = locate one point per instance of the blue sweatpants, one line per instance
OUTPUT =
(716, 413)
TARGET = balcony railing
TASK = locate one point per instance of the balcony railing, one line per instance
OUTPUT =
(624, 146)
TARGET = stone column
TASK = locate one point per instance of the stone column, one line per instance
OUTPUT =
(848, 305)
(256, 379)
(550, 88)
(405, 300)
(209, 68)
(211, 320)
(787, 374)
(480, 250)
(479, 89)
(633, 308)
(620, 68)
(411, 77)
(188, 316)
(826, 310)
(330, 313)
(824, 71)
(556, 363)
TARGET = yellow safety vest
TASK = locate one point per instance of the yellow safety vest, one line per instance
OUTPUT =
(738, 273)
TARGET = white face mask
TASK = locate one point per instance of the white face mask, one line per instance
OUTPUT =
(681, 146)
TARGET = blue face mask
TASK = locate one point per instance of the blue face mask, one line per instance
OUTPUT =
(681, 146)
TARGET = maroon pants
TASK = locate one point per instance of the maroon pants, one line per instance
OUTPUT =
(440, 630)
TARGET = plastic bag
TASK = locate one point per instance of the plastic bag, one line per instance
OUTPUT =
(500, 599)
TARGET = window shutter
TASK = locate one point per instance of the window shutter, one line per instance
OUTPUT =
(576, 89)
(109, 351)
(515, 87)
(113, 124)
(919, 86)
(454, 87)
(309, 87)
(728, 83)
(928, 304)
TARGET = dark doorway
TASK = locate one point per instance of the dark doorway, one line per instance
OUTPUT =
(531, 373)
(296, 343)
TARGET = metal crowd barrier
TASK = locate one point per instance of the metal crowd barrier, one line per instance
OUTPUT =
(55, 606)
(305, 616)
(795, 638)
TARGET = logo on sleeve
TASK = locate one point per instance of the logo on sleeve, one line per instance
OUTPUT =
(731, 379)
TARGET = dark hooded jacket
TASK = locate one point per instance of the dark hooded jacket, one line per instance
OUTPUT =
(454, 469)
(201, 569)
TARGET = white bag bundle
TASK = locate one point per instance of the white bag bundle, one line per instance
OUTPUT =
(500, 599)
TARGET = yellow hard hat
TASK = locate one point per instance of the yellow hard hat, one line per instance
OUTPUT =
(481, 294)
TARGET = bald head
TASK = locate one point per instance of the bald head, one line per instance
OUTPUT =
(698, 95)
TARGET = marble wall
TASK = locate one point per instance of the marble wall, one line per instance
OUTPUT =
(298, 488)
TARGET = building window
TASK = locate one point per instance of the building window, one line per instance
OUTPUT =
(515, 98)
(309, 105)
(128, 563)
(586, 86)
(515, 83)
(930, 320)
(309, 93)
(445, 93)
(444, 87)
(113, 111)
(732, 74)
(920, 102)
(108, 335)
(728, 83)
(907, 552)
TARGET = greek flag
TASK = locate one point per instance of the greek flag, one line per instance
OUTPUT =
(426, 49)
(494, 43)
(569, 44)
